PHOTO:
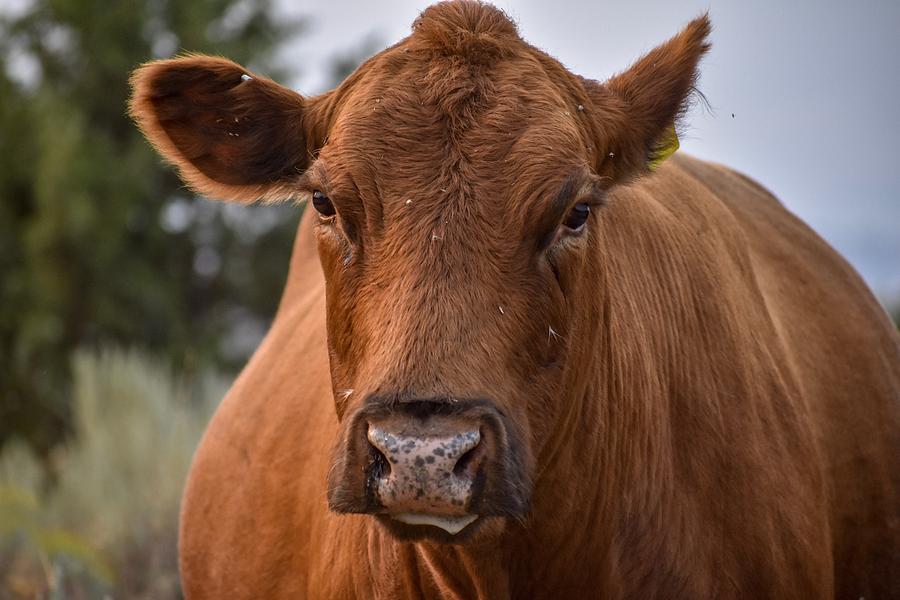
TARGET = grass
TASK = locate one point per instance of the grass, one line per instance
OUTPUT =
(108, 525)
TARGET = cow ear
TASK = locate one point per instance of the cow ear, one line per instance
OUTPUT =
(637, 113)
(232, 135)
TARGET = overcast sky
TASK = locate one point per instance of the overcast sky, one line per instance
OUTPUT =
(814, 87)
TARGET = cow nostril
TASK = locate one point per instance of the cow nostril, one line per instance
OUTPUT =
(380, 466)
(467, 464)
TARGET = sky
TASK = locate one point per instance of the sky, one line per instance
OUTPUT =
(814, 87)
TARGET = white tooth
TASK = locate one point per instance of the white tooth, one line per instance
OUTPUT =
(451, 525)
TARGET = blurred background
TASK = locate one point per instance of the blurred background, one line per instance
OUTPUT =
(128, 304)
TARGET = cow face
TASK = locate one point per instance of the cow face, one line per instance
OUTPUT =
(457, 178)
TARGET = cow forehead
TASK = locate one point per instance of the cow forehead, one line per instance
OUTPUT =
(427, 91)
(515, 131)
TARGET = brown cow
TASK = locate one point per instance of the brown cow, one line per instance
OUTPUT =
(526, 366)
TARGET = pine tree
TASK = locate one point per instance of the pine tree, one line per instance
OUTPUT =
(99, 241)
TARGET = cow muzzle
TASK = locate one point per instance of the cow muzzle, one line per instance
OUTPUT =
(427, 475)
(429, 465)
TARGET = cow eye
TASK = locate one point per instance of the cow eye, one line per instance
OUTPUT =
(577, 217)
(322, 204)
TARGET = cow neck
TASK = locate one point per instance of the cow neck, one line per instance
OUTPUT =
(608, 460)
(658, 365)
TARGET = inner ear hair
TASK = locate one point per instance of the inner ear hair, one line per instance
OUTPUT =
(231, 134)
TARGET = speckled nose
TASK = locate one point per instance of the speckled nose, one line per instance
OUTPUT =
(430, 472)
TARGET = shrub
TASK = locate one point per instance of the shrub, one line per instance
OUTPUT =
(108, 523)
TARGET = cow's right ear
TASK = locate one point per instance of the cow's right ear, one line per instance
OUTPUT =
(232, 135)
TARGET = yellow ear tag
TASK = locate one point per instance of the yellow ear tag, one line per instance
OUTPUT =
(666, 148)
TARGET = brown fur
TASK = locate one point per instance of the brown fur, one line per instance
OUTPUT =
(708, 394)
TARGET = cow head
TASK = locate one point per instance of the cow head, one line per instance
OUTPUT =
(458, 177)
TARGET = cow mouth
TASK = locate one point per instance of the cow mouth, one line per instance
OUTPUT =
(451, 524)
(439, 529)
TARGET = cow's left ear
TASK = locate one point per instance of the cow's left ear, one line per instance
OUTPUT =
(233, 135)
(636, 113)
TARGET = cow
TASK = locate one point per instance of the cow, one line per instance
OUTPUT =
(521, 351)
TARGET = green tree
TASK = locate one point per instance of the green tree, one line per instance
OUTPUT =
(99, 241)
